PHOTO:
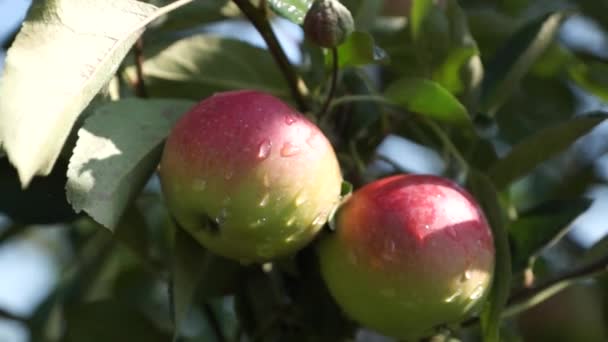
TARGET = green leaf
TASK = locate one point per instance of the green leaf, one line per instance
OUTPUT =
(118, 148)
(109, 320)
(418, 11)
(294, 10)
(427, 98)
(201, 65)
(592, 77)
(65, 52)
(448, 73)
(359, 49)
(483, 190)
(542, 226)
(532, 151)
(513, 60)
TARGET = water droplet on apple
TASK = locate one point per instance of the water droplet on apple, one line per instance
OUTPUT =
(300, 199)
(258, 222)
(228, 175)
(427, 227)
(221, 217)
(264, 201)
(318, 220)
(289, 150)
(264, 149)
(477, 292)
(289, 119)
(314, 140)
(453, 296)
(290, 221)
(466, 275)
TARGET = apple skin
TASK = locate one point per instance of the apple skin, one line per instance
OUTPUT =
(250, 178)
(410, 252)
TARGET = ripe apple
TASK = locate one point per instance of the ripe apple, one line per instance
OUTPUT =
(410, 253)
(249, 177)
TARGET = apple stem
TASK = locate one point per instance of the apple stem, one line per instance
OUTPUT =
(259, 19)
(334, 81)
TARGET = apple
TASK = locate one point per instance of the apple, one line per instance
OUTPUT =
(249, 177)
(410, 253)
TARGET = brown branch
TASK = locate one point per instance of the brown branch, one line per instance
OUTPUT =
(259, 19)
(334, 81)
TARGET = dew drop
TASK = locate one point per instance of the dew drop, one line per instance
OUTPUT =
(264, 201)
(301, 199)
(427, 227)
(264, 149)
(319, 220)
(258, 222)
(290, 221)
(477, 293)
(228, 175)
(314, 140)
(467, 275)
(221, 217)
(289, 150)
(289, 119)
(453, 296)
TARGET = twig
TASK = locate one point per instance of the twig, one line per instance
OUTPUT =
(528, 297)
(13, 317)
(138, 51)
(257, 17)
(561, 280)
(334, 81)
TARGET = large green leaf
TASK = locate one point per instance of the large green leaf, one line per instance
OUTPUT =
(294, 10)
(201, 65)
(65, 52)
(427, 98)
(118, 149)
(513, 60)
(545, 144)
(538, 227)
(483, 189)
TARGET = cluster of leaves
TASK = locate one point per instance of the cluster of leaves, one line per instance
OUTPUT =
(482, 84)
